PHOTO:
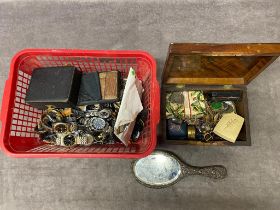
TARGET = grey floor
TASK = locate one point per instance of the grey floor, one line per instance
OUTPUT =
(254, 172)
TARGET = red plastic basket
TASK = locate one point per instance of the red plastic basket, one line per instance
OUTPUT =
(18, 138)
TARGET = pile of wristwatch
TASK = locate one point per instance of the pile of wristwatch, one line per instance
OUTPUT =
(86, 125)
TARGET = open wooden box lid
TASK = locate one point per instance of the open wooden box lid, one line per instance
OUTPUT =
(217, 64)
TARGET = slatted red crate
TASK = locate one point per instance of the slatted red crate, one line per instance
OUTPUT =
(18, 119)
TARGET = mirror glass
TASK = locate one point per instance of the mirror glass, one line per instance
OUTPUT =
(157, 169)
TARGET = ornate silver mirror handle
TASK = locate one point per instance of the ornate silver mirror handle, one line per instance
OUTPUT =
(214, 172)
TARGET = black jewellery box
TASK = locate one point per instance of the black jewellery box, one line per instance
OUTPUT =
(55, 86)
(214, 68)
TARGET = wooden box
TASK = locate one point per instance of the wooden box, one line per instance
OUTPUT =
(215, 67)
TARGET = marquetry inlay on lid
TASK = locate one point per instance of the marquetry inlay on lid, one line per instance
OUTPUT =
(217, 64)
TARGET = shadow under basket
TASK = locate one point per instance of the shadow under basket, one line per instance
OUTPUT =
(206, 67)
(19, 119)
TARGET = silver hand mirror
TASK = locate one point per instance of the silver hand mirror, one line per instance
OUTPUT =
(162, 169)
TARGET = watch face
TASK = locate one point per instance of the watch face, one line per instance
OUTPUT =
(105, 113)
(60, 128)
(98, 124)
(69, 140)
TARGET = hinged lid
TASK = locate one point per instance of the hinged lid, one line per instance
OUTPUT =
(217, 64)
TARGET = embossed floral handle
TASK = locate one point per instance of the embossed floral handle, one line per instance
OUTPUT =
(214, 172)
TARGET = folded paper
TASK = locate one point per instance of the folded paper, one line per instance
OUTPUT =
(229, 127)
(131, 106)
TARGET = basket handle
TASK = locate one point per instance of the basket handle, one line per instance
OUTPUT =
(4, 108)
(5, 100)
(157, 101)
